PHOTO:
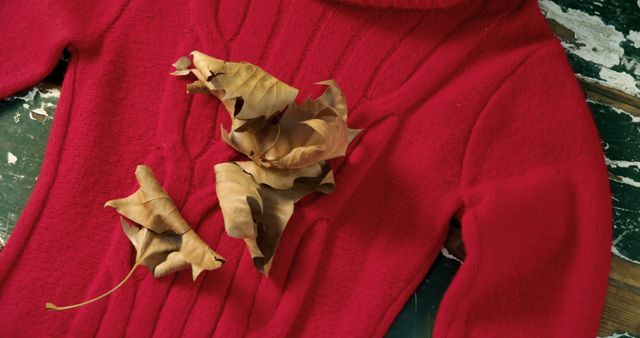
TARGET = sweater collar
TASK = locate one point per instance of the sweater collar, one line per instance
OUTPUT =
(404, 4)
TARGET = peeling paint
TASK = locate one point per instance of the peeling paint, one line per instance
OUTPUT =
(595, 41)
(38, 114)
(28, 97)
(16, 118)
(622, 164)
(626, 180)
(606, 50)
(625, 334)
(635, 38)
(50, 92)
(634, 119)
(617, 253)
(11, 158)
(447, 254)
(619, 80)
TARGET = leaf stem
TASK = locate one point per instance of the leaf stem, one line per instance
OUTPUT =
(52, 306)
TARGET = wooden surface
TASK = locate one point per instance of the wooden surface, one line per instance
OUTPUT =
(602, 39)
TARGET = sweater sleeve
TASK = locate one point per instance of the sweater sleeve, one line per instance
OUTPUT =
(537, 212)
(35, 33)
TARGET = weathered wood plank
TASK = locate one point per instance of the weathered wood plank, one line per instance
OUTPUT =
(621, 313)
(599, 93)
(602, 39)
(25, 121)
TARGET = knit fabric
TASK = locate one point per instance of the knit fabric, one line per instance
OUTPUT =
(469, 111)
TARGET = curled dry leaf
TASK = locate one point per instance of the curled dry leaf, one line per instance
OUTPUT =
(152, 208)
(288, 144)
(267, 125)
(164, 242)
(313, 131)
(247, 91)
(256, 211)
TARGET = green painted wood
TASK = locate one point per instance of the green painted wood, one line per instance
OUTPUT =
(419, 314)
(602, 40)
(25, 121)
(620, 132)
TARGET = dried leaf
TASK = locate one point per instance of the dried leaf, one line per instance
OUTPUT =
(279, 178)
(288, 144)
(238, 195)
(247, 91)
(181, 66)
(151, 248)
(164, 243)
(313, 131)
(257, 212)
(152, 208)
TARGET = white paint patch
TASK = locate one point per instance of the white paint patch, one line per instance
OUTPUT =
(29, 96)
(11, 158)
(617, 335)
(621, 81)
(635, 38)
(595, 41)
(50, 92)
(626, 180)
(617, 253)
(622, 164)
(39, 111)
(447, 254)
(16, 118)
(634, 119)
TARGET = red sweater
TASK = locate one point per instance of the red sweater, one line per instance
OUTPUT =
(469, 110)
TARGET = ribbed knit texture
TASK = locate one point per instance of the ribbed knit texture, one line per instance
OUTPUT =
(469, 112)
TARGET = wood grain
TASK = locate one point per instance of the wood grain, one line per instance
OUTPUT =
(621, 312)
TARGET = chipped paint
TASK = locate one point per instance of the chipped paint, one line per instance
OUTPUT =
(634, 119)
(618, 335)
(595, 41)
(449, 255)
(11, 158)
(50, 92)
(598, 50)
(622, 164)
(28, 97)
(619, 80)
(635, 38)
(615, 251)
(38, 114)
(626, 180)
(16, 117)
